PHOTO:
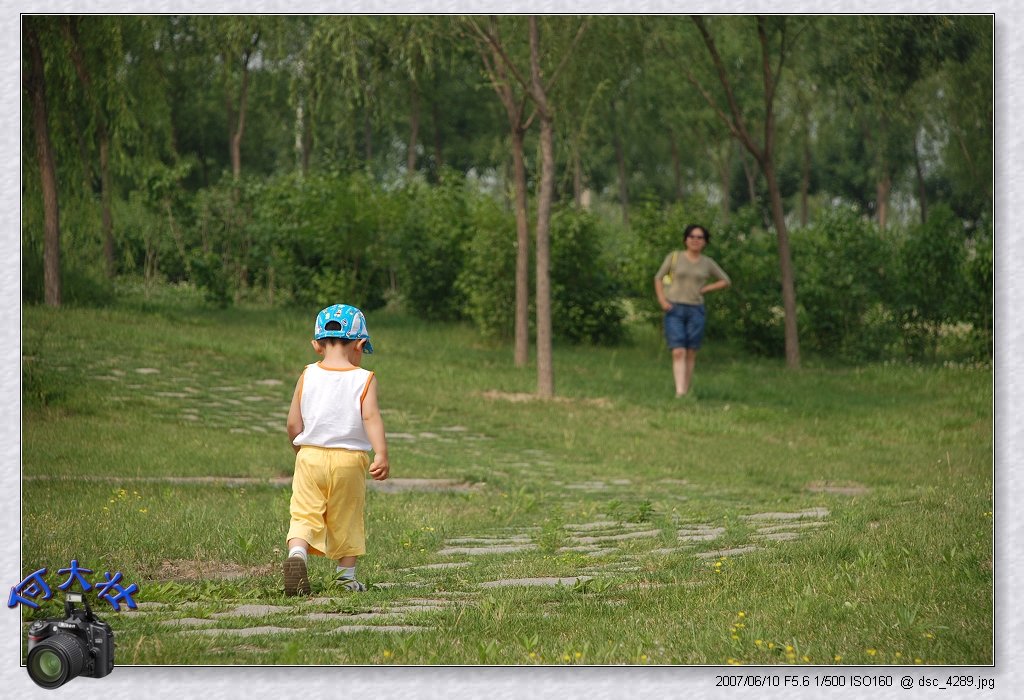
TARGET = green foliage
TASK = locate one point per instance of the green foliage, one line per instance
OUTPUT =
(81, 285)
(931, 282)
(750, 311)
(209, 275)
(322, 235)
(586, 302)
(847, 270)
(977, 292)
(487, 280)
(585, 296)
(434, 228)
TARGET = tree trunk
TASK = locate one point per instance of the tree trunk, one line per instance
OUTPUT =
(545, 368)
(723, 164)
(522, 320)
(494, 63)
(677, 167)
(785, 265)
(805, 180)
(300, 136)
(922, 193)
(620, 160)
(102, 138)
(243, 103)
(239, 129)
(438, 142)
(106, 197)
(307, 140)
(748, 170)
(882, 189)
(367, 136)
(577, 178)
(414, 132)
(765, 159)
(35, 82)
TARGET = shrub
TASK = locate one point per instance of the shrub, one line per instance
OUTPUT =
(750, 312)
(976, 301)
(432, 239)
(487, 280)
(931, 280)
(846, 269)
(585, 295)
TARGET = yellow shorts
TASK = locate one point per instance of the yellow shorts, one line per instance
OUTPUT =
(328, 493)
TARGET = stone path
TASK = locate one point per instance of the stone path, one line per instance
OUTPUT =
(605, 547)
(613, 549)
(392, 485)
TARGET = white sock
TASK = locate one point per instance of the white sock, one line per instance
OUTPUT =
(346, 571)
(298, 552)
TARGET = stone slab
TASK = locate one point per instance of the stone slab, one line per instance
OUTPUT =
(253, 611)
(809, 513)
(494, 549)
(188, 621)
(379, 628)
(543, 581)
(248, 631)
(442, 565)
(727, 552)
(595, 539)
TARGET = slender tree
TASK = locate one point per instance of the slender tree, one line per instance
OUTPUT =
(512, 94)
(34, 83)
(763, 151)
(537, 87)
(110, 34)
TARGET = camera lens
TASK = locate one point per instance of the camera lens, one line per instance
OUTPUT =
(56, 660)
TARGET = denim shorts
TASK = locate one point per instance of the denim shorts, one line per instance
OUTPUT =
(684, 326)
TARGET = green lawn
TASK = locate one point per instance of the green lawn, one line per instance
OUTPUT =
(889, 468)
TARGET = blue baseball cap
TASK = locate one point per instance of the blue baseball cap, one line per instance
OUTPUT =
(353, 325)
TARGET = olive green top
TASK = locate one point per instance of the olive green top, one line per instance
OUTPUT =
(688, 277)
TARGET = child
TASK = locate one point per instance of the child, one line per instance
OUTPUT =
(333, 422)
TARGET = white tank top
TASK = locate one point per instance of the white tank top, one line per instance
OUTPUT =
(332, 407)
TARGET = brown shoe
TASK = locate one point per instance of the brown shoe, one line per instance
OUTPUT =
(296, 580)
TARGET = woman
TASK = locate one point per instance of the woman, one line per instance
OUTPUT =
(680, 285)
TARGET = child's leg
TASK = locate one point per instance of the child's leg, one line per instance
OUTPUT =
(346, 537)
(296, 577)
(306, 527)
(298, 547)
(347, 574)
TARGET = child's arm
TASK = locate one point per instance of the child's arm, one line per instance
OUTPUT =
(374, 426)
(295, 415)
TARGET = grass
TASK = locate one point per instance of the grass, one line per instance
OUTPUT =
(898, 571)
